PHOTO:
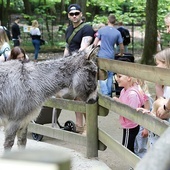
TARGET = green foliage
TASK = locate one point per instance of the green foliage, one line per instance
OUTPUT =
(100, 19)
(48, 12)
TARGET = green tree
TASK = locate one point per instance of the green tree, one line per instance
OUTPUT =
(27, 7)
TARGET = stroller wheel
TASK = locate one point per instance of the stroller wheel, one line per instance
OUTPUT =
(37, 137)
(70, 126)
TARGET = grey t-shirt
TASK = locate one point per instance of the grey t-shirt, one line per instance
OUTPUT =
(109, 36)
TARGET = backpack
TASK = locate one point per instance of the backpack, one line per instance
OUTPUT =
(3, 53)
(126, 36)
(7, 33)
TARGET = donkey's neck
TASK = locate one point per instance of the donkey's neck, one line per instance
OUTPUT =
(54, 75)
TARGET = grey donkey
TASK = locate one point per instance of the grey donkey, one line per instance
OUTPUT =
(25, 86)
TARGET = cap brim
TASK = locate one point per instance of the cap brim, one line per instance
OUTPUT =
(72, 11)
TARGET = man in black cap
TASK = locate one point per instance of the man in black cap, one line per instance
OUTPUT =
(16, 32)
(79, 35)
(83, 37)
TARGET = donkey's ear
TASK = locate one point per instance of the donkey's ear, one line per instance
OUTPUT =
(91, 51)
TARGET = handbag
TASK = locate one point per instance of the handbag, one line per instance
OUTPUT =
(42, 42)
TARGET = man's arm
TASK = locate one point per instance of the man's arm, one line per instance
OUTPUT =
(96, 41)
(66, 51)
(86, 41)
(121, 48)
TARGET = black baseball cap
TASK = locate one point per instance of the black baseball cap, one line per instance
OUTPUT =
(74, 7)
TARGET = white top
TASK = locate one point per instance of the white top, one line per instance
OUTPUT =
(166, 92)
(35, 31)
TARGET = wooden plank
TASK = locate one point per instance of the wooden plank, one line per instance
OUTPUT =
(66, 104)
(57, 134)
(118, 148)
(91, 127)
(37, 159)
(152, 123)
(20, 165)
(103, 111)
(141, 71)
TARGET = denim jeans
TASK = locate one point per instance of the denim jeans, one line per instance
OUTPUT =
(36, 44)
(106, 85)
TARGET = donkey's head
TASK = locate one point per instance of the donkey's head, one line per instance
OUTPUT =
(84, 78)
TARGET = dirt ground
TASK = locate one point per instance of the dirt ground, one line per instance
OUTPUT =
(111, 126)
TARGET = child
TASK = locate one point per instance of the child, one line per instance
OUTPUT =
(133, 97)
(18, 53)
(162, 60)
(141, 140)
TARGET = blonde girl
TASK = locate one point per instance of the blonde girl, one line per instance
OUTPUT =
(132, 96)
(35, 35)
(162, 59)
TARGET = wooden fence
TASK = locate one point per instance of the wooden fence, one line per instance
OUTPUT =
(97, 139)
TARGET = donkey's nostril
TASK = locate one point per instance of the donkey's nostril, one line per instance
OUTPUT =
(92, 101)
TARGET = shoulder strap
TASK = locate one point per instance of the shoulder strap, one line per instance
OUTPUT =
(140, 95)
(75, 31)
(6, 49)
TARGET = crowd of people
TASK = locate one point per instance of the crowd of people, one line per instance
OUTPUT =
(79, 35)
(5, 45)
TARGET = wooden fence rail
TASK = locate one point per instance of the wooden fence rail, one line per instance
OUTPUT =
(97, 139)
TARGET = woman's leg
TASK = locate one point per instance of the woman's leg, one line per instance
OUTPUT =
(79, 122)
(109, 83)
(37, 48)
(103, 87)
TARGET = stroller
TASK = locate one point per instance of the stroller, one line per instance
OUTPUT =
(128, 57)
(51, 115)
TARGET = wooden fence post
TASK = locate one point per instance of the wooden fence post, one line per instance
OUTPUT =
(92, 130)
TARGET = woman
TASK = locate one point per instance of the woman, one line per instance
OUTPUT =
(4, 46)
(35, 35)
(18, 53)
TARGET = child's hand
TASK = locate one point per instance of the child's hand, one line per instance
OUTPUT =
(145, 133)
(142, 110)
(116, 99)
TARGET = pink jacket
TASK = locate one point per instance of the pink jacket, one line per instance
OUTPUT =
(134, 98)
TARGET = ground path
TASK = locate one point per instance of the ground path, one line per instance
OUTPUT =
(110, 124)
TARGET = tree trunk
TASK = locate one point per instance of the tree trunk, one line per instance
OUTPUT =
(5, 20)
(27, 7)
(82, 3)
(150, 41)
(62, 16)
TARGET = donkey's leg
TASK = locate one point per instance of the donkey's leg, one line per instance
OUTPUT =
(22, 137)
(10, 133)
